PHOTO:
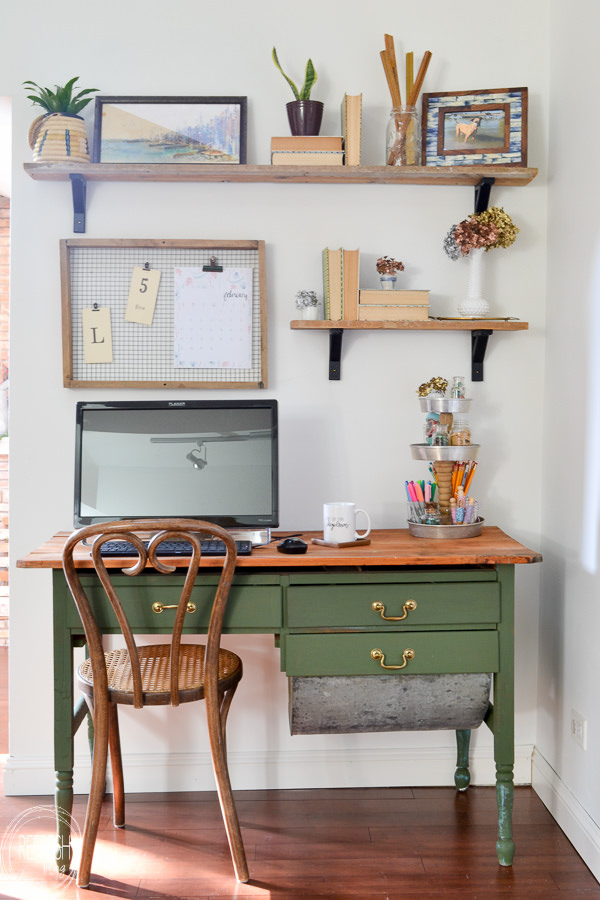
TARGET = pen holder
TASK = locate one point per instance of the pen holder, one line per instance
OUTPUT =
(423, 513)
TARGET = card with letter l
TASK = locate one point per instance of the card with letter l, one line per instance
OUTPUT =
(97, 335)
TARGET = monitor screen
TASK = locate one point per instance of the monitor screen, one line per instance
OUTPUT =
(211, 460)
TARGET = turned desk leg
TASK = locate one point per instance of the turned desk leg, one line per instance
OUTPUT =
(502, 718)
(505, 845)
(462, 776)
(63, 797)
(66, 722)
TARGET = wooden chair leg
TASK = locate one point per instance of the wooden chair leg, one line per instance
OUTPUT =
(92, 816)
(216, 727)
(116, 763)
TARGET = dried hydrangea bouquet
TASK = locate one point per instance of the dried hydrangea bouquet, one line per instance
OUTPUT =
(472, 237)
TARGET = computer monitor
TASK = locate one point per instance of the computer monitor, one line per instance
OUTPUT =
(215, 460)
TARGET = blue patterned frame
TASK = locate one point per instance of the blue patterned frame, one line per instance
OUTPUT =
(508, 106)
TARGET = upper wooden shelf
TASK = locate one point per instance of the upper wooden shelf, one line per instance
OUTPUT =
(481, 178)
(470, 175)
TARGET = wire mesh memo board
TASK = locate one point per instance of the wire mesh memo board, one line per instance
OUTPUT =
(97, 274)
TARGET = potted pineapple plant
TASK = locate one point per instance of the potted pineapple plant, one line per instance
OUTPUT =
(304, 114)
(59, 135)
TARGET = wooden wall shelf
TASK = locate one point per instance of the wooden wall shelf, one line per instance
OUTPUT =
(479, 177)
(480, 329)
(509, 175)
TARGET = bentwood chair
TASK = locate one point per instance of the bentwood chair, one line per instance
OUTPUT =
(163, 674)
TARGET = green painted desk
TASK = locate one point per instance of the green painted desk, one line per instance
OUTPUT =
(460, 618)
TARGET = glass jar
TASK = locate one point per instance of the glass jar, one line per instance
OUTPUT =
(403, 137)
(431, 421)
(460, 435)
(441, 437)
(432, 514)
(457, 391)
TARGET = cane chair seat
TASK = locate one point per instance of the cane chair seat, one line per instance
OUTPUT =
(155, 665)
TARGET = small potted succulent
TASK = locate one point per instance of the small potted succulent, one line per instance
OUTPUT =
(304, 114)
(306, 303)
(59, 135)
(387, 269)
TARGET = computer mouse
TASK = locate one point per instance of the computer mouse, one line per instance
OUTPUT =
(292, 545)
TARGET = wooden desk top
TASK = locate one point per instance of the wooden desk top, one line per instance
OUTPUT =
(388, 547)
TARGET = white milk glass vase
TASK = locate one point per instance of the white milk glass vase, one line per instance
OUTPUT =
(474, 305)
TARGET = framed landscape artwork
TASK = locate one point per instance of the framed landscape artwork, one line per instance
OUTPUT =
(487, 127)
(210, 130)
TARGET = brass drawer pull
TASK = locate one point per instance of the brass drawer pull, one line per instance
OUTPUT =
(377, 606)
(158, 606)
(406, 656)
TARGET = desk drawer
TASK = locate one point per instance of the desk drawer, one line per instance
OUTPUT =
(350, 654)
(351, 605)
(252, 607)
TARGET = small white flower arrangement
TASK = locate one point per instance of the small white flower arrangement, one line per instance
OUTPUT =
(304, 299)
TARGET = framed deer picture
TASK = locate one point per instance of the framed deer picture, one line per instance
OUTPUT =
(487, 127)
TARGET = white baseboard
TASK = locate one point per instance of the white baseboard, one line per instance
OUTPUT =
(264, 770)
(576, 823)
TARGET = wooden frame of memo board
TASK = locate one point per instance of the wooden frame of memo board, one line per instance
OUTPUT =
(98, 275)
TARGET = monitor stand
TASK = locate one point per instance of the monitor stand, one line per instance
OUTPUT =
(258, 536)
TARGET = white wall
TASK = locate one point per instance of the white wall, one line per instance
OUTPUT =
(347, 438)
(567, 776)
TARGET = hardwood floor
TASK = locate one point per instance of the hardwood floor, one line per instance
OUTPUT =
(350, 844)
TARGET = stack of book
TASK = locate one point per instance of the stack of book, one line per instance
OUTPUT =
(340, 284)
(393, 306)
(307, 150)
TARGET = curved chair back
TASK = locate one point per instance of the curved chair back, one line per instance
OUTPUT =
(159, 531)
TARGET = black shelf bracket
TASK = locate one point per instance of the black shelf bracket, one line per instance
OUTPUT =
(335, 353)
(78, 184)
(482, 194)
(479, 340)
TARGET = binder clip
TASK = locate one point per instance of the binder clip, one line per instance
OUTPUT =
(212, 266)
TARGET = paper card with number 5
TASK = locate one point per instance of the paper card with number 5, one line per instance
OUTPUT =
(97, 335)
(143, 292)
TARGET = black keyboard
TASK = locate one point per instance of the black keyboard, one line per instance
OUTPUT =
(212, 547)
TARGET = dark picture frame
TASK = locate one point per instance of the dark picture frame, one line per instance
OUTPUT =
(483, 127)
(170, 130)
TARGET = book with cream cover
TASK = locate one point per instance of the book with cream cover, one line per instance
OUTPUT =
(394, 298)
(371, 313)
(333, 283)
(352, 127)
(307, 158)
(307, 142)
(350, 267)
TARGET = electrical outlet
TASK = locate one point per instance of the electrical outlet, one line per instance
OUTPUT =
(579, 729)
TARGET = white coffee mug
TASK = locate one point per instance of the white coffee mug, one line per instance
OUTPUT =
(339, 522)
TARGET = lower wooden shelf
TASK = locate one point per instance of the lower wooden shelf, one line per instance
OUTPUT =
(480, 330)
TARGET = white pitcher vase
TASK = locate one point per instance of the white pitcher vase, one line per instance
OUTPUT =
(474, 305)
